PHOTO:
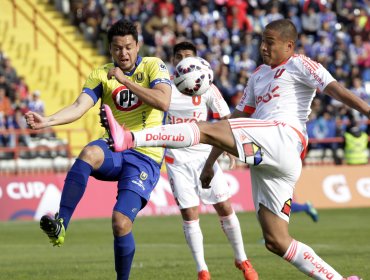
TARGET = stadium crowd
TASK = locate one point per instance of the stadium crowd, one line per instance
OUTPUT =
(15, 100)
(227, 33)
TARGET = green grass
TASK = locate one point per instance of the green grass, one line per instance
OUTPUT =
(341, 237)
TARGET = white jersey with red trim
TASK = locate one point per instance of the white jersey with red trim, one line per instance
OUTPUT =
(186, 109)
(284, 93)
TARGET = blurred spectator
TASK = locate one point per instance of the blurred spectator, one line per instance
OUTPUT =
(36, 104)
(156, 22)
(356, 146)
(185, 20)
(328, 16)
(198, 36)
(112, 16)
(245, 63)
(8, 70)
(274, 13)
(258, 20)
(236, 12)
(204, 17)
(322, 47)
(311, 22)
(359, 89)
(5, 104)
(358, 53)
(165, 38)
(91, 16)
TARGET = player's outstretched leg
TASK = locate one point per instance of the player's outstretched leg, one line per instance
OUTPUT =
(54, 229)
(119, 139)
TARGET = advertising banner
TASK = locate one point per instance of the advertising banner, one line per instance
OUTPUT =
(32, 196)
(29, 197)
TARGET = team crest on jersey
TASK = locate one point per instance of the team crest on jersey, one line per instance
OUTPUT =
(139, 77)
(143, 175)
(287, 207)
(162, 67)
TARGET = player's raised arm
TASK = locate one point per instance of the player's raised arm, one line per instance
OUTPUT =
(64, 116)
(339, 92)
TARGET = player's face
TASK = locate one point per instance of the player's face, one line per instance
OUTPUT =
(273, 49)
(124, 51)
(180, 55)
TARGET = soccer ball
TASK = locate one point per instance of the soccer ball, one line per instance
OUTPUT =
(193, 76)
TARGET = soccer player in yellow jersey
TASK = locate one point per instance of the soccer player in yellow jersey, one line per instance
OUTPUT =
(138, 91)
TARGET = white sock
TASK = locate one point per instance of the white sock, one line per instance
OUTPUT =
(305, 259)
(194, 238)
(171, 136)
(231, 227)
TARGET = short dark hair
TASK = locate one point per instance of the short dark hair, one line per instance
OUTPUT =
(123, 28)
(184, 46)
(285, 27)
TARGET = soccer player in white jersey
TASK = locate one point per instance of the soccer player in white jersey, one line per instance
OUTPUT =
(184, 167)
(268, 131)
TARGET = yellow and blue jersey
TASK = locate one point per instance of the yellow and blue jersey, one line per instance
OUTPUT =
(125, 105)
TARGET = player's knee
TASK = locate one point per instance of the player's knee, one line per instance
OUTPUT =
(224, 208)
(121, 225)
(93, 155)
(274, 245)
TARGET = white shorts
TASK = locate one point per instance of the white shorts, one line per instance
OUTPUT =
(187, 188)
(274, 178)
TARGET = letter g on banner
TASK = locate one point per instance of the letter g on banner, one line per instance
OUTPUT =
(335, 187)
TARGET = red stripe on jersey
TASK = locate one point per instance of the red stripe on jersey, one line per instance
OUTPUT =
(303, 141)
(216, 91)
(216, 115)
(249, 109)
(310, 62)
(242, 123)
(169, 160)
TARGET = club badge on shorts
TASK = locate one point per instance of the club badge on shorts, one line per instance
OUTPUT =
(287, 207)
(143, 176)
(252, 153)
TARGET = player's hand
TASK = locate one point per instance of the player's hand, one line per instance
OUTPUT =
(35, 121)
(117, 73)
(232, 162)
(206, 176)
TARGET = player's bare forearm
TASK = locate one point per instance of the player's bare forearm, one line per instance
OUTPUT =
(340, 93)
(66, 115)
(159, 97)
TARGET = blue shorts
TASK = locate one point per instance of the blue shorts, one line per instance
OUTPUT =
(134, 171)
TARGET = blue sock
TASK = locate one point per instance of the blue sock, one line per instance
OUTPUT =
(124, 251)
(73, 190)
(296, 207)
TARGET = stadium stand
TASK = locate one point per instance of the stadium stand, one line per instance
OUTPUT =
(227, 33)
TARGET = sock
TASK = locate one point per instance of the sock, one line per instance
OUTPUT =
(306, 260)
(73, 189)
(231, 227)
(296, 207)
(171, 136)
(124, 251)
(194, 238)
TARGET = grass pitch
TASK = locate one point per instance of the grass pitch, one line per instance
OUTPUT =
(341, 237)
